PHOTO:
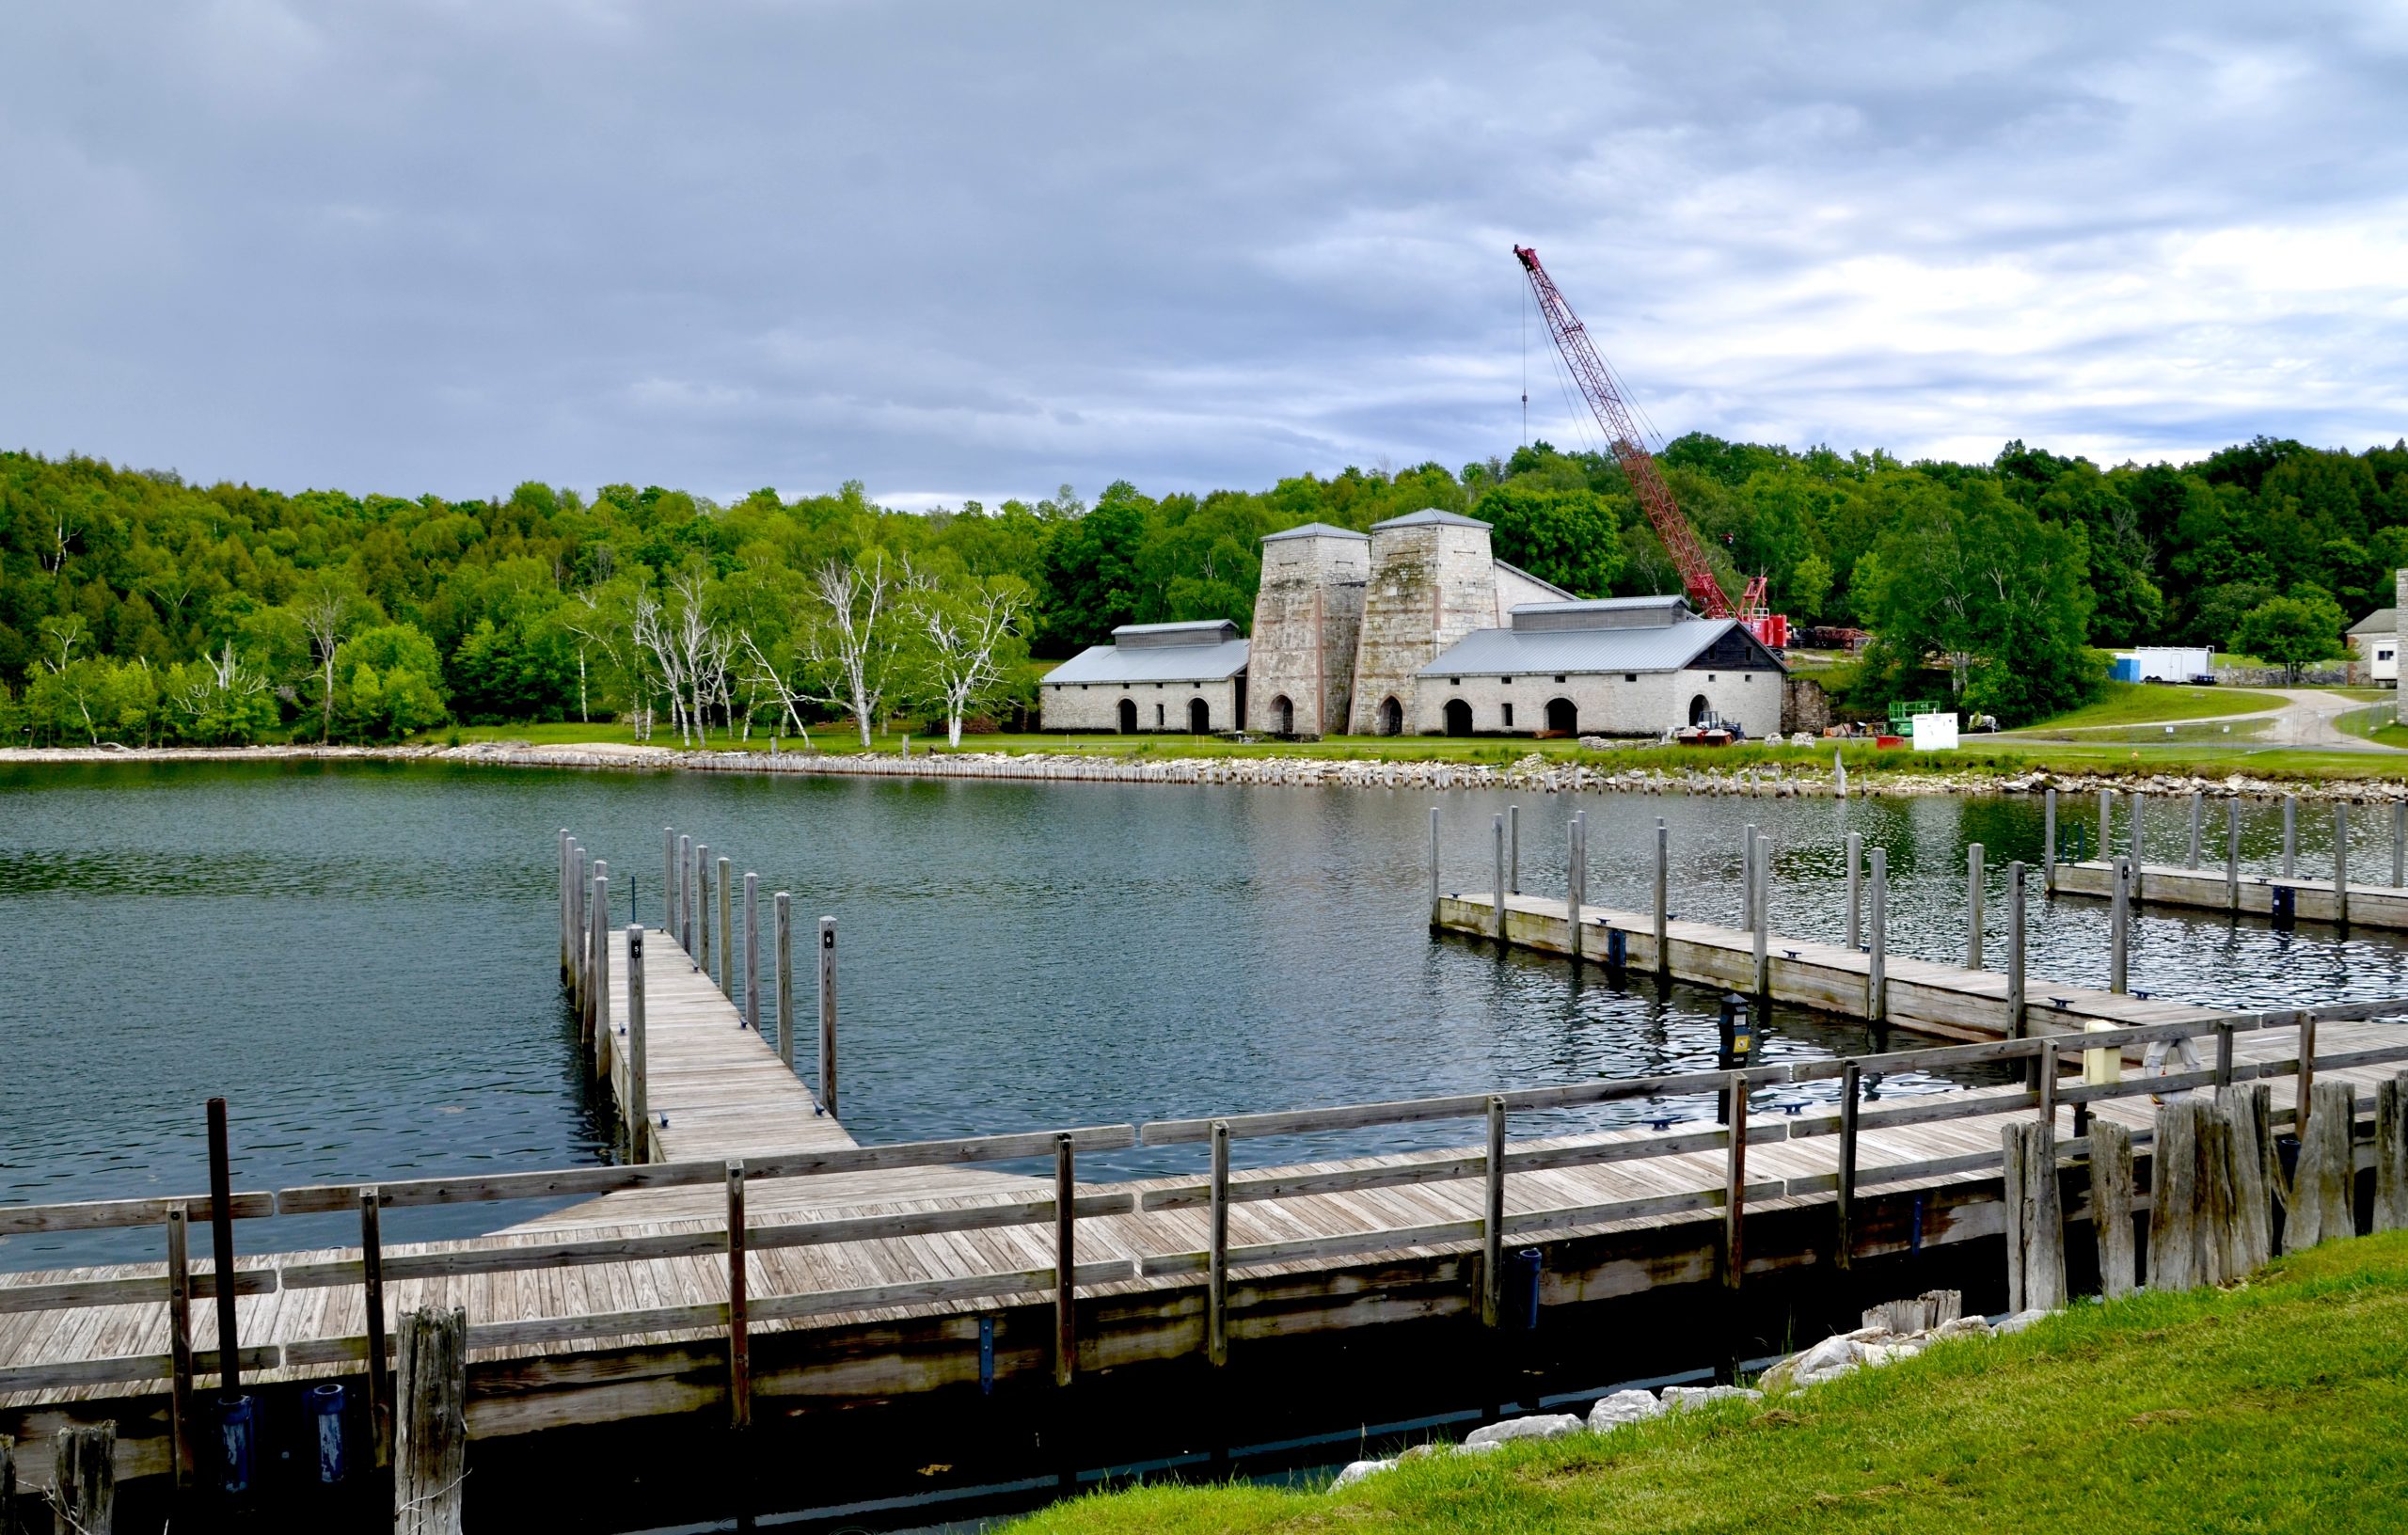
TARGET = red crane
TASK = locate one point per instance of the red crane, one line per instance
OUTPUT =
(1630, 451)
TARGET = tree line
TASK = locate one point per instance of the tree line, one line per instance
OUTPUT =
(136, 607)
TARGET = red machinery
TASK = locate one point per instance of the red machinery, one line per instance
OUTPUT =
(1630, 451)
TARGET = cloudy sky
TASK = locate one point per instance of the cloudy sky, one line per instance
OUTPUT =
(979, 250)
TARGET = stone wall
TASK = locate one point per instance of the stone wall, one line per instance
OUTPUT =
(1804, 706)
(1431, 584)
(1605, 704)
(1308, 615)
(1096, 707)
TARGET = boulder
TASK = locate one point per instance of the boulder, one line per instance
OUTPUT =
(1537, 1426)
(2019, 1321)
(1685, 1396)
(1622, 1407)
(1961, 1327)
(1355, 1471)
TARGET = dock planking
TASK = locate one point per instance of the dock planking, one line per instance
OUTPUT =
(1322, 1247)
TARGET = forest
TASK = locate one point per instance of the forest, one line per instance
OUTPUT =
(137, 609)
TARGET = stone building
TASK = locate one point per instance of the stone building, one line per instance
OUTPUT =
(1434, 580)
(1621, 666)
(1308, 616)
(1184, 677)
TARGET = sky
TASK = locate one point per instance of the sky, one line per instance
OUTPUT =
(970, 250)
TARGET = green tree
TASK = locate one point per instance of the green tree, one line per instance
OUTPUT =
(2293, 630)
(391, 682)
(1568, 537)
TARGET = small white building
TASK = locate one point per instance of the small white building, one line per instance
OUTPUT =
(1617, 666)
(1188, 678)
(2375, 641)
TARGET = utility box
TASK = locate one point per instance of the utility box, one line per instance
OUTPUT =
(1935, 732)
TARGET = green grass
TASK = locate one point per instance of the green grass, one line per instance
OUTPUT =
(2274, 1406)
(2146, 703)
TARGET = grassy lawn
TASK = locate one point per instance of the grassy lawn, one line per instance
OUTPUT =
(2145, 703)
(2273, 1407)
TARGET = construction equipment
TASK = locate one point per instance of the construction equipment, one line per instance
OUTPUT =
(1596, 382)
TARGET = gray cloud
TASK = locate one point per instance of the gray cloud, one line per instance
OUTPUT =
(967, 251)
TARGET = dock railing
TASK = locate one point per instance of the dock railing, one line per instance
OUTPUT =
(375, 1269)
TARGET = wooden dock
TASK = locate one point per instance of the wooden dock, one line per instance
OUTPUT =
(871, 1274)
(2248, 896)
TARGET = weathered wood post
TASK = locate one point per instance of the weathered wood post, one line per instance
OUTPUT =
(724, 931)
(2015, 949)
(639, 1104)
(1876, 978)
(1663, 877)
(2198, 808)
(1850, 1090)
(2399, 843)
(827, 1014)
(1497, 887)
(2035, 1259)
(683, 933)
(752, 951)
(702, 955)
(1434, 868)
(2106, 824)
(1973, 854)
(668, 882)
(579, 887)
(596, 1016)
(84, 1485)
(2291, 835)
(2341, 861)
(1734, 1184)
(2049, 842)
(1761, 920)
(1513, 849)
(2391, 1154)
(2172, 1198)
(372, 1296)
(2111, 1206)
(2232, 855)
(2244, 1107)
(9, 1525)
(739, 1321)
(2320, 1203)
(2140, 866)
(1748, 878)
(782, 905)
(221, 1243)
(1492, 1222)
(568, 932)
(1855, 890)
(1066, 1261)
(1216, 1335)
(181, 1420)
(2119, 923)
(431, 1428)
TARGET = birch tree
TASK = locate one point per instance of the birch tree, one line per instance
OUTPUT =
(329, 608)
(971, 634)
(688, 649)
(852, 636)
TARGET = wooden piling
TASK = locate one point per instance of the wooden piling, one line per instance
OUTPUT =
(1512, 850)
(2049, 842)
(371, 1294)
(2106, 823)
(1577, 878)
(1856, 890)
(2291, 835)
(9, 1525)
(1434, 867)
(2399, 843)
(2304, 1071)
(1663, 877)
(668, 882)
(1066, 1261)
(782, 908)
(595, 1019)
(2320, 1203)
(2341, 863)
(1759, 921)
(639, 1108)
(2391, 1154)
(221, 1243)
(827, 1014)
(2243, 1109)
(2049, 1069)
(565, 929)
(2232, 855)
(683, 934)
(2220, 1260)
(725, 931)
(1492, 1223)
(1496, 836)
(84, 1485)
(1748, 878)
(2172, 1198)
(1216, 1338)
(2111, 1206)
(1734, 1185)
(579, 887)
(2015, 979)
(1876, 978)
(2035, 1217)
(2132, 803)
(739, 1321)
(431, 1425)
(2119, 924)
(2198, 808)
(182, 1425)
(1973, 906)
(752, 951)
(701, 954)
(1850, 1091)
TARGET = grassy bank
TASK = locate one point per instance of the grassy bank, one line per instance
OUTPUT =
(2146, 703)
(2273, 1407)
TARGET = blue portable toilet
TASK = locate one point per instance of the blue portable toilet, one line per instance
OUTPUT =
(2126, 668)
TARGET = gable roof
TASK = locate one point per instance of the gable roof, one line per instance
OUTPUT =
(2382, 621)
(1430, 518)
(1662, 648)
(1120, 665)
(1317, 529)
(1539, 582)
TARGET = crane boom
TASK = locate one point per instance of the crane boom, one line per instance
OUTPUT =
(1629, 448)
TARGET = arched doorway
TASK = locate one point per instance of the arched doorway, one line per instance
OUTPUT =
(1458, 717)
(1391, 717)
(1562, 716)
(1128, 717)
(1283, 715)
(1199, 717)
(1698, 710)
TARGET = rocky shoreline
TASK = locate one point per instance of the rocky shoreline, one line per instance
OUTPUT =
(1533, 774)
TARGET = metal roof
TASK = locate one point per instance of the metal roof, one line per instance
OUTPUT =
(1208, 631)
(1667, 647)
(1601, 605)
(1113, 665)
(2382, 621)
(1430, 518)
(1317, 529)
